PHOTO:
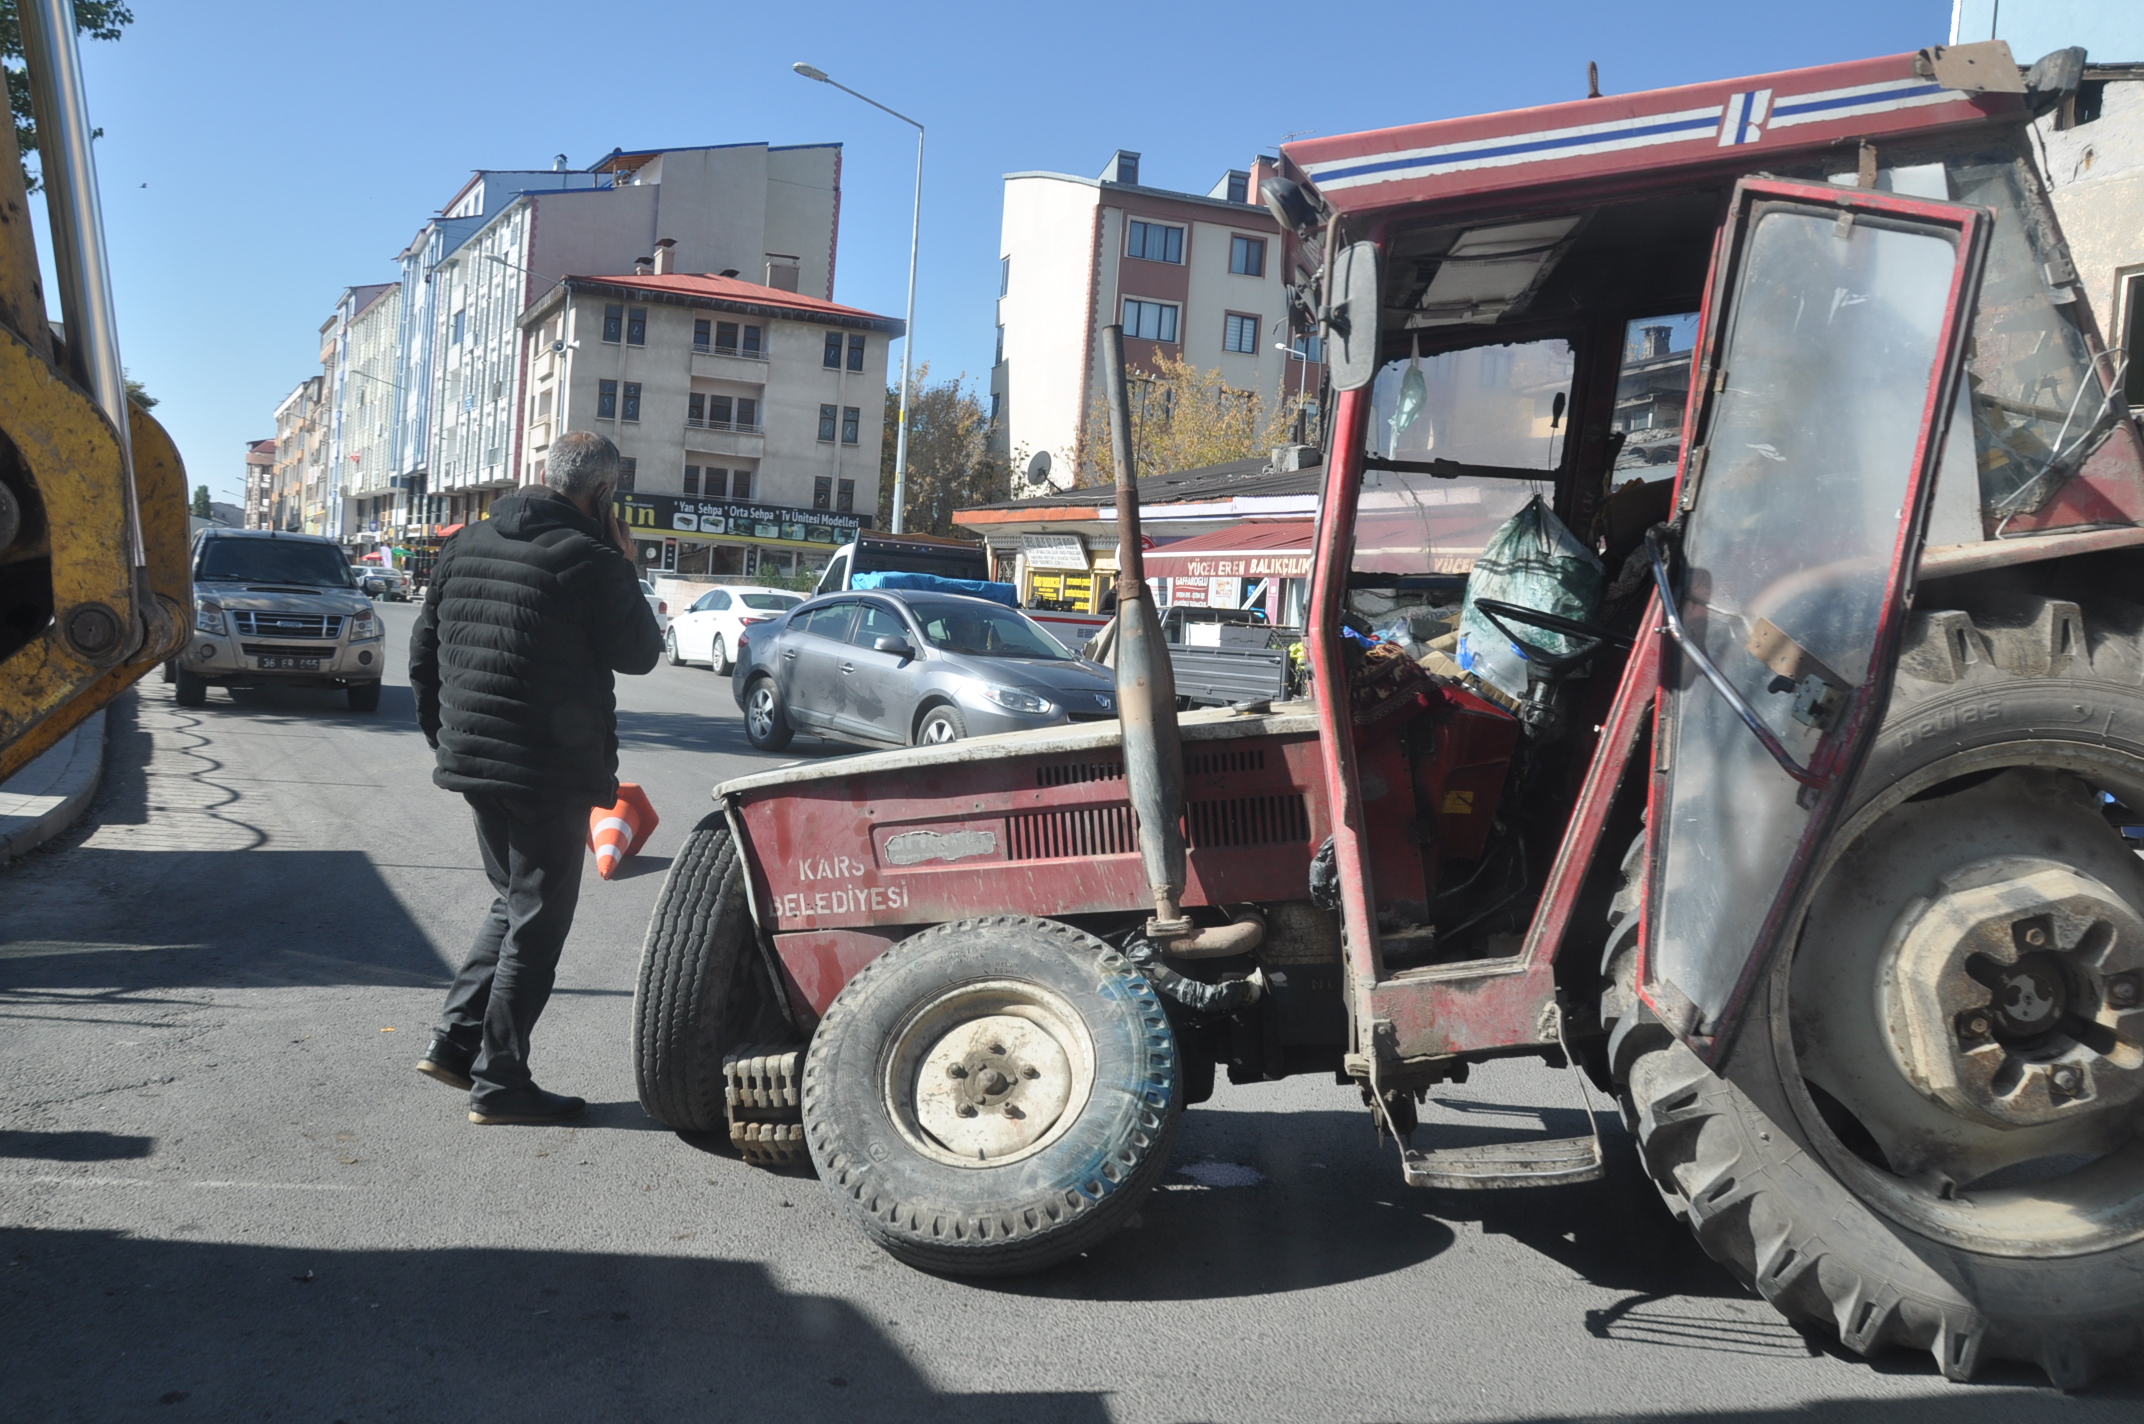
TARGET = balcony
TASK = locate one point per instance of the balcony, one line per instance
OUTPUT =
(745, 364)
(725, 437)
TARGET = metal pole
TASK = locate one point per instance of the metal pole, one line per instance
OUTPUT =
(908, 346)
(69, 171)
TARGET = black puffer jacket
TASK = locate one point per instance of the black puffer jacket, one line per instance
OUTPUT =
(528, 615)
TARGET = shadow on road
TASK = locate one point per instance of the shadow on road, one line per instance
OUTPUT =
(74, 1146)
(106, 1326)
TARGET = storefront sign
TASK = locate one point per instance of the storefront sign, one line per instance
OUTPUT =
(1279, 564)
(1055, 551)
(706, 518)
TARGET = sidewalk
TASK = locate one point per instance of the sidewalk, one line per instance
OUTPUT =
(43, 799)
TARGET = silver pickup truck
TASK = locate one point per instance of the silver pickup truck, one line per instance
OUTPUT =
(278, 609)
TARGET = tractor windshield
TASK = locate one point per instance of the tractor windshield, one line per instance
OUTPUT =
(1485, 416)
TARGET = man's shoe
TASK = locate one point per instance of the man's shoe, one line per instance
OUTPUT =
(530, 1107)
(448, 1064)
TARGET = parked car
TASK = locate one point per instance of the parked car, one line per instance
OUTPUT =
(278, 609)
(656, 606)
(389, 585)
(913, 668)
(707, 632)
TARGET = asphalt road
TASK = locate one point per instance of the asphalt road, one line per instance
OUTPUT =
(224, 1193)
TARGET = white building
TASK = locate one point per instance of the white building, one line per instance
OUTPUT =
(1198, 276)
(751, 417)
(363, 387)
(766, 212)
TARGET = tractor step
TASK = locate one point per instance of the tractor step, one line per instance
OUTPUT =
(1541, 1162)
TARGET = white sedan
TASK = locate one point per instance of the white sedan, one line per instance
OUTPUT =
(707, 631)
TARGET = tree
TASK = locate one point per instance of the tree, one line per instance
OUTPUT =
(98, 19)
(138, 395)
(201, 510)
(950, 466)
(1184, 418)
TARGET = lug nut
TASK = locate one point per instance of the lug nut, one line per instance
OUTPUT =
(1013, 1110)
(954, 1070)
(2036, 936)
(1977, 1025)
(966, 1110)
(2066, 1078)
(1033, 1072)
(2123, 991)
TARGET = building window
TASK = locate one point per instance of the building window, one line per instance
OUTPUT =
(632, 400)
(543, 404)
(1150, 321)
(636, 327)
(747, 413)
(851, 424)
(718, 412)
(822, 492)
(1247, 256)
(2133, 340)
(845, 496)
(1239, 187)
(1308, 346)
(458, 321)
(856, 353)
(714, 482)
(695, 409)
(1004, 275)
(826, 423)
(726, 336)
(1240, 334)
(740, 484)
(997, 405)
(999, 359)
(702, 335)
(832, 361)
(751, 341)
(613, 323)
(627, 469)
(1154, 242)
(692, 479)
(606, 400)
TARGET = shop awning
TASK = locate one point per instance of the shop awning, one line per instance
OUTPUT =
(445, 530)
(1275, 548)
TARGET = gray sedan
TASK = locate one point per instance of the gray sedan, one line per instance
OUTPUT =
(913, 668)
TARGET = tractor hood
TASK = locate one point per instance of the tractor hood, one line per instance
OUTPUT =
(1209, 724)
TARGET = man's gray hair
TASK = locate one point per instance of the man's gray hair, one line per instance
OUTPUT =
(580, 463)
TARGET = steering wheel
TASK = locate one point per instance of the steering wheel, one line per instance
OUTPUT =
(1591, 639)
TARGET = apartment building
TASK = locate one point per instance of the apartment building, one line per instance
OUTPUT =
(260, 484)
(301, 438)
(751, 417)
(357, 360)
(765, 213)
(1196, 275)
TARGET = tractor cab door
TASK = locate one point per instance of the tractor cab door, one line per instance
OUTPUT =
(1830, 354)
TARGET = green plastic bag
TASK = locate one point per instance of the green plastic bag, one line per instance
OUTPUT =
(1535, 562)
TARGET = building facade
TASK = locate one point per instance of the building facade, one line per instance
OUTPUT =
(259, 508)
(300, 449)
(364, 387)
(751, 417)
(766, 213)
(1197, 276)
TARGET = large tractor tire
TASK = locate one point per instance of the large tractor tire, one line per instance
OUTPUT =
(994, 1097)
(1926, 1134)
(703, 990)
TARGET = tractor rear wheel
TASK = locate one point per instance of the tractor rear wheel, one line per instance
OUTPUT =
(702, 992)
(1927, 1133)
(993, 1098)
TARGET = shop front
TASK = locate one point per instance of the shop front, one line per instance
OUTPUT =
(681, 537)
(1259, 565)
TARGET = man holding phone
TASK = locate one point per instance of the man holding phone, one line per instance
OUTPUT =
(530, 613)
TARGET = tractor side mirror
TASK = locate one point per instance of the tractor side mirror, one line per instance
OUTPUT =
(1351, 320)
(899, 647)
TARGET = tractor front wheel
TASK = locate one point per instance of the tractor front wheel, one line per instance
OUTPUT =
(1927, 1134)
(995, 1096)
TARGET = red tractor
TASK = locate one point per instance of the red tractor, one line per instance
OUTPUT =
(1806, 833)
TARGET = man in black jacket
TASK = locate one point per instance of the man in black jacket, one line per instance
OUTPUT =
(529, 614)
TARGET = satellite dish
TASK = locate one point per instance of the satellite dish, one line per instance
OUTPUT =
(1038, 468)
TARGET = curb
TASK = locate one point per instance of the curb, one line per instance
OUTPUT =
(48, 795)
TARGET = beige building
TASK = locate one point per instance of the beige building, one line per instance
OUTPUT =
(362, 380)
(1198, 276)
(260, 484)
(750, 416)
(301, 437)
(2094, 157)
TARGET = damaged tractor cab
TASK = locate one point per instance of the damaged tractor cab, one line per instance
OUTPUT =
(1744, 502)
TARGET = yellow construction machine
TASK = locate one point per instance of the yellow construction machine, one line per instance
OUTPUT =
(94, 587)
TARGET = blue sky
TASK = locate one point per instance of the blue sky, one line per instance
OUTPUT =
(259, 157)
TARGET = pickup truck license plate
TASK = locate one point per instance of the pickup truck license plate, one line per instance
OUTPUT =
(291, 664)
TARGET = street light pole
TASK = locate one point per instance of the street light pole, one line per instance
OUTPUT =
(908, 337)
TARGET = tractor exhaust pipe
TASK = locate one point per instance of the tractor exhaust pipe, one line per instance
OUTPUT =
(1146, 683)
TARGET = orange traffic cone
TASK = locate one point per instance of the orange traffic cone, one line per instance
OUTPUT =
(619, 831)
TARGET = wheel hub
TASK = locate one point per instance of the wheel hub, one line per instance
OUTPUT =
(2012, 995)
(992, 1087)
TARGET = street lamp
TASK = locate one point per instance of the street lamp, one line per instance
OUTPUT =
(908, 339)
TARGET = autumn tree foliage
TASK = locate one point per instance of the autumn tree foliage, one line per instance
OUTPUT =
(950, 465)
(1184, 418)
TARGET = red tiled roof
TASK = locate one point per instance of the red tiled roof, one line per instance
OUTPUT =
(733, 289)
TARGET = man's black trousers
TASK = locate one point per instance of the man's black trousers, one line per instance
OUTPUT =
(533, 853)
